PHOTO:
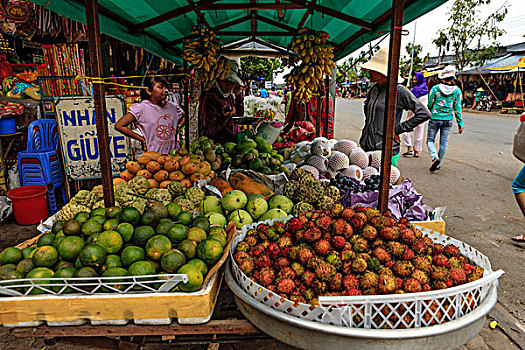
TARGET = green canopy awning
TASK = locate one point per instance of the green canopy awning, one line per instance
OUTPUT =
(161, 26)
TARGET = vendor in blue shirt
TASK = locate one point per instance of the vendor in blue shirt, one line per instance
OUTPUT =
(264, 93)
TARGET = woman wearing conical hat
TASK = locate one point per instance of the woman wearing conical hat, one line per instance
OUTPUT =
(374, 107)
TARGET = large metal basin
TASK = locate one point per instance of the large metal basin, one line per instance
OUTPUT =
(314, 335)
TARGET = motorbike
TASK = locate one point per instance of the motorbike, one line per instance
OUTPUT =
(484, 104)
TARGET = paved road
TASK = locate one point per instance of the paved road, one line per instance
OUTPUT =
(474, 183)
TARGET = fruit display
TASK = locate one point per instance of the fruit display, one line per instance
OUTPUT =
(159, 170)
(245, 204)
(309, 193)
(118, 241)
(212, 152)
(326, 158)
(254, 154)
(349, 251)
(347, 183)
(314, 60)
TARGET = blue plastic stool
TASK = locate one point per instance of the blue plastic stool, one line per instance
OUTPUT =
(39, 163)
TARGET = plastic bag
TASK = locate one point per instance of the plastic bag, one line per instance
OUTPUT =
(6, 208)
(403, 201)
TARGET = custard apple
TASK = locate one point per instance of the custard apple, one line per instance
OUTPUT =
(176, 189)
(139, 185)
(195, 194)
(324, 203)
(162, 195)
(69, 211)
(300, 207)
(289, 188)
(85, 198)
(124, 197)
(98, 190)
(140, 204)
(99, 204)
(184, 203)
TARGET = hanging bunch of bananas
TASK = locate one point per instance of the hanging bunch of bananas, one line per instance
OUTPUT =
(315, 59)
(201, 52)
(218, 71)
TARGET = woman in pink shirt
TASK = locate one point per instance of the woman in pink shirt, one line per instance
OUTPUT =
(157, 119)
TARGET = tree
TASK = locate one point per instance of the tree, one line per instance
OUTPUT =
(466, 31)
(417, 64)
(254, 67)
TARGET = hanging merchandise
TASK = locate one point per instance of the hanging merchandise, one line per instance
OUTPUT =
(314, 59)
(202, 54)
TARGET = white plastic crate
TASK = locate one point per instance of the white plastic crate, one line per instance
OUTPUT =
(393, 311)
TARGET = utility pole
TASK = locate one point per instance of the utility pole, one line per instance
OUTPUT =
(412, 55)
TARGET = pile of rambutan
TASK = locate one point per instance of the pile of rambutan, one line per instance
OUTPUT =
(349, 251)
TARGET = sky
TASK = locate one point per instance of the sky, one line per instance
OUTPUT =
(428, 25)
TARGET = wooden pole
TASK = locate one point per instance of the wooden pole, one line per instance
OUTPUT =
(99, 97)
(391, 100)
(319, 111)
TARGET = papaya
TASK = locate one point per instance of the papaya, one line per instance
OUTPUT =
(248, 185)
(153, 155)
(222, 185)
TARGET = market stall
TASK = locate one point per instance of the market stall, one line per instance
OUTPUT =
(295, 216)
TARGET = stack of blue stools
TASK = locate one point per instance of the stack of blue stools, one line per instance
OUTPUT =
(39, 163)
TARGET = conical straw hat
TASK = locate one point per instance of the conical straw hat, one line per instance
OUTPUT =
(379, 63)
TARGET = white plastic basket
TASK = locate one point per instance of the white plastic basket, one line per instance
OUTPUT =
(392, 311)
(92, 285)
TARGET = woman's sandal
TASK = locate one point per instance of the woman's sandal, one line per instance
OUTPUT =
(519, 239)
(408, 154)
(416, 155)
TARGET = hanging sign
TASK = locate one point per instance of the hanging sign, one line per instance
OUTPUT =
(17, 11)
(78, 136)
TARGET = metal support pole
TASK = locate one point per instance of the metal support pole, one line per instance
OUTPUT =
(391, 100)
(327, 105)
(99, 97)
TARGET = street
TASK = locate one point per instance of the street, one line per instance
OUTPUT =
(474, 183)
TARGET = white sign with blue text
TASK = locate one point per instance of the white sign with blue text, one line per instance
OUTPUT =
(78, 135)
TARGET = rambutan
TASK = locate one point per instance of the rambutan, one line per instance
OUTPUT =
(284, 242)
(323, 222)
(320, 286)
(299, 235)
(247, 266)
(281, 262)
(386, 271)
(322, 247)
(420, 276)
(263, 261)
(266, 276)
(334, 260)
(297, 268)
(240, 256)
(359, 265)
(279, 227)
(378, 221)
(286, 272)
(336, 211)
(314, 262)
(407, 235)
(369, 280)
(251, 240)
(440, 260)
(352, 292)
(438, 248)
(458, 275)
(347, 213)
(439, 273)
(389, 233)
(347, 255)
(304, 255)
(361, 245)
(308, 277)
(386, 284)
(426, 287)
(423, 264)
(285, 286)
(412, 285)
(369, 232)
(439, 284)
(350, 281)
(396, 249)
(402, 268)
(297, 297)
(338, 242)
(273, 251)
(242, 247)
(408, 254)
(258, 250)
(358, 221)
(336, 283)
(381, 254)
(312, 234)
(342, 228)
(451, 250)
(419, 247)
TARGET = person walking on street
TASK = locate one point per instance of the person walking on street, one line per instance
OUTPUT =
(374, 108)
(420, 90)
(444, 102)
